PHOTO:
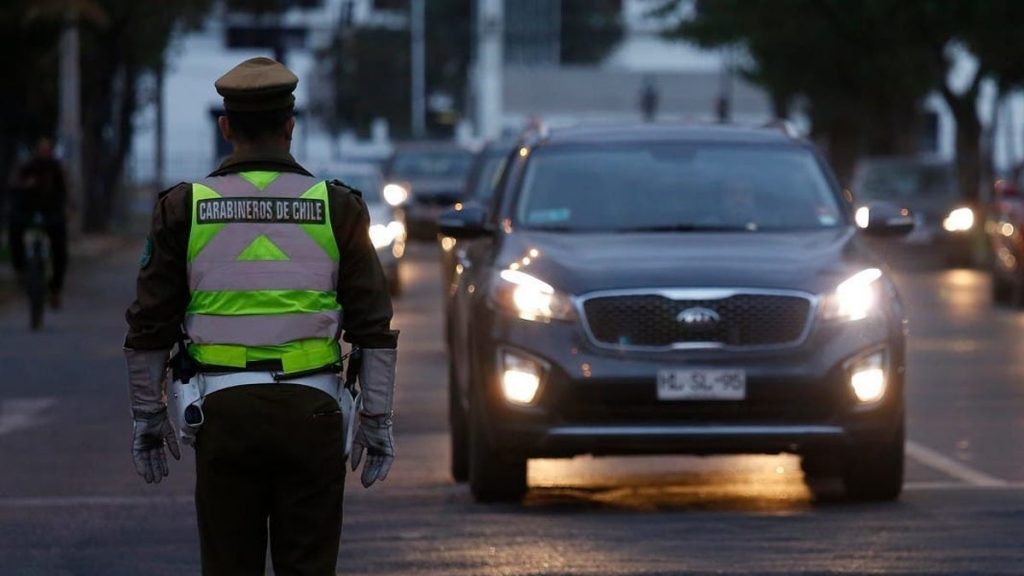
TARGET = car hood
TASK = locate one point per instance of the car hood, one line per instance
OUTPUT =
(812, 261)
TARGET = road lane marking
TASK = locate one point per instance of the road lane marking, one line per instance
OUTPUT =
(20, 413)
(952, 468)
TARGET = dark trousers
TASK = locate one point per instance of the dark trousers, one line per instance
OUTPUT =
(57, 231)
(269, 462)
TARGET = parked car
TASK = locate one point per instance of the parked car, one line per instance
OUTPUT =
(674, 290)
(426, 178)
(928, 187)
(1004, 228)
(387, 224)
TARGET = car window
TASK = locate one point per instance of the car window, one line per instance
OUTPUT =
(675, 187)
(906, 181)
(486, 177)
(435, 164)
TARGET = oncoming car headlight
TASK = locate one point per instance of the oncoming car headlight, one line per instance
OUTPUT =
(395, 194)
(855, 298)
(531, 298)
(383, 236)
(959, 220)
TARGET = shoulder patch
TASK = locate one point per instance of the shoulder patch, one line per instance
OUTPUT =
(147, 253)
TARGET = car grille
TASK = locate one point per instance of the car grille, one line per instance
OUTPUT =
(653, 320)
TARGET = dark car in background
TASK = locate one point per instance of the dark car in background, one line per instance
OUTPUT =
(484, 176)
(674, 290)
(387, 225)
(927, 186)
(426, 178)
(1004, 227)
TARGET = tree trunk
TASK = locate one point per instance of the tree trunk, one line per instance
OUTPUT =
(968, 148)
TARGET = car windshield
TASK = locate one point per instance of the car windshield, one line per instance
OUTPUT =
(906, 181)
(486, 176)
(675, 187)
(434, 164)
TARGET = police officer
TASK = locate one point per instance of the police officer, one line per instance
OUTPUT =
(264, 267)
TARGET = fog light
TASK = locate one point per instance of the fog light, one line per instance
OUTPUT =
(868, 378)
(520, 378)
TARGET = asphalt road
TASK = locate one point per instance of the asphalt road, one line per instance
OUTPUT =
(70, 503)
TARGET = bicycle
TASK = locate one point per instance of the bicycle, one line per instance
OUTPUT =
(37, 265)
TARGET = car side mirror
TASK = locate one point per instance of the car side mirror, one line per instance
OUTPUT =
(467, 221)
(884, 219)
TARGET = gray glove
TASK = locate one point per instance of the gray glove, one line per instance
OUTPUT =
(374, 435)
(151, 431)
(377, 393)
(150, 428)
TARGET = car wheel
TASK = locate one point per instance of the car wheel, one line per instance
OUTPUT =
(875, 472)
(395, 284)
(1002, 290)
(493, 475)
(457, 427)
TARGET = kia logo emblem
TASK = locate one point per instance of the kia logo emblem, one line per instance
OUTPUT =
(698, 317)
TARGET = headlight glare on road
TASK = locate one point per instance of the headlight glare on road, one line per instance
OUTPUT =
(959, 220)
(395, 194)
(382, 236)
(531, 298)
(868, 378)
(855, 298)
(520, 378)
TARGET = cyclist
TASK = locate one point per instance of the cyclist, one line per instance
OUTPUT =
(40, 190)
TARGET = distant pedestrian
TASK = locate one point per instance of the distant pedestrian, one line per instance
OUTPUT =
(39, 194)
(257, 262)
(649, 99)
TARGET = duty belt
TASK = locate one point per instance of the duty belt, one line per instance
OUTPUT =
(215, 382)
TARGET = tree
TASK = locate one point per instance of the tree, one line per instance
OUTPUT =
(840, 56)
(590, 30)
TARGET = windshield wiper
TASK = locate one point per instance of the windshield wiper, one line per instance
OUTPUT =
(691, 228)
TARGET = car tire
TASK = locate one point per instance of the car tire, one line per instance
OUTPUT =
(458, 429)
(395, 284)
(1002, 291)
(874, 472)
(494, 476)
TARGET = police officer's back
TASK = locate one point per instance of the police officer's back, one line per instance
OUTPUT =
(265, 267)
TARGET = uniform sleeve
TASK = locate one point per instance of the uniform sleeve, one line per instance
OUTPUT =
(155, 317)
(362, 286)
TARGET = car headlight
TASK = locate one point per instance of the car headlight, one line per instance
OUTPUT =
(959, 220)
(381, 236)
(531, 298)
(862, 217)
(521, 377)
(868, 377)
(855, 298)
(397, 230)
(395, 194)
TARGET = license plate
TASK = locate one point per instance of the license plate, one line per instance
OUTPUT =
(702, 385)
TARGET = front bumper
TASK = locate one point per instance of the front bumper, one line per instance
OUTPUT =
(594, 401)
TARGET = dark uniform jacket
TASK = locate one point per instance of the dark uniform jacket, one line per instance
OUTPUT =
(155, 318)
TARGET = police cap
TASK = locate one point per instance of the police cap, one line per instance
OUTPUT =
(257, 85)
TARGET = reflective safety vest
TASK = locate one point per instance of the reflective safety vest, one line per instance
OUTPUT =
(262, 272)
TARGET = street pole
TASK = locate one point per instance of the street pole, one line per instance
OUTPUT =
(418, 55)
(70, 120)
(490, 15)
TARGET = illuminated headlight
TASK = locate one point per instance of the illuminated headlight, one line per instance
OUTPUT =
(381, 236)
(855, 298)
(959, 220)
(397, 230)
(862, 217)
(520, 378)
(395, 194)
(531, 298)
(868, 378)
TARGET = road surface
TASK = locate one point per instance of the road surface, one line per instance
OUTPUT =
(71, 504)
